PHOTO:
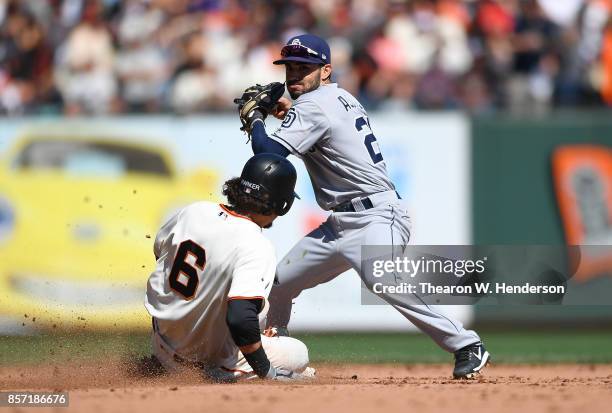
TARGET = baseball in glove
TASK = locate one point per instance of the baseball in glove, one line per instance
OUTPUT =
(257, 102)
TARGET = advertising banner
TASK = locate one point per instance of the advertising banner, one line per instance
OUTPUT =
(82, 199)
(583, 183)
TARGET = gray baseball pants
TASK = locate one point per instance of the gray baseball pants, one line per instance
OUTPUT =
(335, 247)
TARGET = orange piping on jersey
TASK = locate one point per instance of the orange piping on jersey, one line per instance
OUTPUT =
(235, 214)
(245, 298)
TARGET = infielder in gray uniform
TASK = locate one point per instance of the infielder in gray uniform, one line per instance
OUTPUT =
(330, 131)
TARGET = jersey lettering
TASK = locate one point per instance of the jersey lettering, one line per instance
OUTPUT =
(344, 103)
(348, 105)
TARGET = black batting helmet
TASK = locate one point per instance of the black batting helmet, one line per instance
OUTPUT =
(270, 178)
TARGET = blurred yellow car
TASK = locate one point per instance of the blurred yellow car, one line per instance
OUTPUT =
(78, 218)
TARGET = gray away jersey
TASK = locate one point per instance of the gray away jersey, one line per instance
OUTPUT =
(330, 130)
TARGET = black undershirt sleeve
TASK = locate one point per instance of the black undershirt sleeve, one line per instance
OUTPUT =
(242, 320)
(260, 142)
(243, 325)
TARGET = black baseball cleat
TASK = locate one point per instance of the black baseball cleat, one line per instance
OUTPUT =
(470, 360)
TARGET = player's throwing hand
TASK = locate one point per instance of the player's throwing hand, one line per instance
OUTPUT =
(282, 107)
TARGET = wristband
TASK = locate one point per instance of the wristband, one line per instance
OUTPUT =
(258, 360)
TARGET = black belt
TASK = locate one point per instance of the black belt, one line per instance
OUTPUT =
(347, 206)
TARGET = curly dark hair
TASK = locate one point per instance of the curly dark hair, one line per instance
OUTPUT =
(243, 203)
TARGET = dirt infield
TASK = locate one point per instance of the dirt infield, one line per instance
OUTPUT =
(106, 387)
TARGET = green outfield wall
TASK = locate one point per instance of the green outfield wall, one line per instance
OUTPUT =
(515, 202)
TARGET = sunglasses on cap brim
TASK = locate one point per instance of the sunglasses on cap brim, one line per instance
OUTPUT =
(297, 50)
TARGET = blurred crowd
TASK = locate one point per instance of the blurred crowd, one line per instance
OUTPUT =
(188, 56)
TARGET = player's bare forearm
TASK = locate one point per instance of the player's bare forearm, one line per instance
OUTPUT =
(281, 108)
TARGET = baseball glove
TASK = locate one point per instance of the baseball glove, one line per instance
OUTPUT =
(257, 102)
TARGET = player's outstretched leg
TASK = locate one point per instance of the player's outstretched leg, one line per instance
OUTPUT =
(312, 261)
(390, 228)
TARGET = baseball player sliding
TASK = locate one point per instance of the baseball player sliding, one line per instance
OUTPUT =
(330, 131)
(214, 272)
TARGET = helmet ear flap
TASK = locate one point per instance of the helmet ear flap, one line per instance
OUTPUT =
(285, 206)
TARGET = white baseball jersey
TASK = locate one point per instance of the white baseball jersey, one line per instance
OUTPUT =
(330, 130)
(206, 255)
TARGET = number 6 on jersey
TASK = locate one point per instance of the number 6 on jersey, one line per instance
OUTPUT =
(184, 276)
